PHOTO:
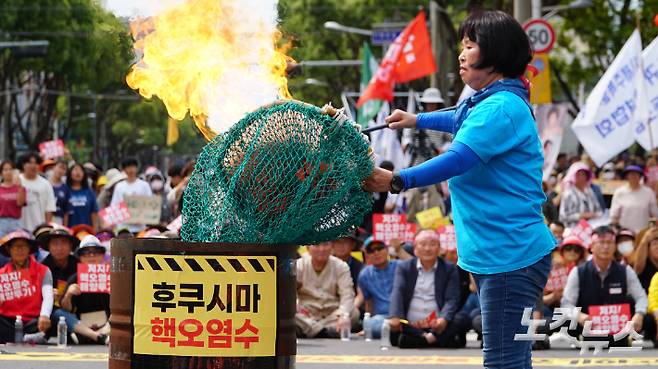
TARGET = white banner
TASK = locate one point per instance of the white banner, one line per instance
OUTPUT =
(649, 107)
(385, 142)
(551, 120)
(605, 124)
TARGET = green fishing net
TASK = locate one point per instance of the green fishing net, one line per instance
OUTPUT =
(285, 173)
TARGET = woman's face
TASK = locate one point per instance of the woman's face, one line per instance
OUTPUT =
(470, 55)
(581, 178)
(653, 250)
(19, 251)
(77, 174)
(59, 170)
(7, 172)
(572, 253)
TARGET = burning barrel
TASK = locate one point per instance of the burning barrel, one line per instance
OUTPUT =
(198, 305)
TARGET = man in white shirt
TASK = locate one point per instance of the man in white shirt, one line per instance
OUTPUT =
(132, 186)
(324, 293)
(40, 197)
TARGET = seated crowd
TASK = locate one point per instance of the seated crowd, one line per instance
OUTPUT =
(429, 301)
(41, 286)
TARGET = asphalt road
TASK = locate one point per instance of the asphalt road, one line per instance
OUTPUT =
(335, 354)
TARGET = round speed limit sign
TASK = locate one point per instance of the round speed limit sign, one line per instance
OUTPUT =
(541, 35)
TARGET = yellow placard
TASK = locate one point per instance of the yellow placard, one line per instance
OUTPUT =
(431, 218)
(540, 90)
(205, 305)
(608, 187)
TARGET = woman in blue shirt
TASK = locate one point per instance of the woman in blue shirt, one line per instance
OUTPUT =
(494, 167)
(82, 207)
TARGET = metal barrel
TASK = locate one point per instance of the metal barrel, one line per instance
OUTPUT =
(123, 253)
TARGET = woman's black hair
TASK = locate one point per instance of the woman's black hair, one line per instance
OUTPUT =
(503, 43)
(69, 178)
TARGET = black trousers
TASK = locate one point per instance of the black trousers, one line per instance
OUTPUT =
(454, 335)
(7, 328)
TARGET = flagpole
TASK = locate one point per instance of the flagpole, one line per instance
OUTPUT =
(382, 126)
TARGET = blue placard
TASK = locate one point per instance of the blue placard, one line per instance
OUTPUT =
(384, 36)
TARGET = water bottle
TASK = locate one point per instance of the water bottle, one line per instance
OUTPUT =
(18, 330)
(62, 333)
(345, 327)
(367, 326)
(385, 341)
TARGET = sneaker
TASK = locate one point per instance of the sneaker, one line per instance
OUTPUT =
(74, 338)
(35, 338)
(103, 339)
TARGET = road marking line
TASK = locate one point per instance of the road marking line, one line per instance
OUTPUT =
(363, 359)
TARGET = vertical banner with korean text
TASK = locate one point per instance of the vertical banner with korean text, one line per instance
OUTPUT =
(605, 124)
(205, 305)
(650, 91)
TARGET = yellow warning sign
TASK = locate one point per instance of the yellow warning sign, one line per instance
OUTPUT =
(205, 305)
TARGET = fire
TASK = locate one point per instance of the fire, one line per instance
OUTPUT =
(214, 59)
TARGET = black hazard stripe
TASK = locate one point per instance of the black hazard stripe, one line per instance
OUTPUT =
(153, 263)
(238, 265)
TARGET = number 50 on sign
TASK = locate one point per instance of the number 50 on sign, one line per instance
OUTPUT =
(541, 35)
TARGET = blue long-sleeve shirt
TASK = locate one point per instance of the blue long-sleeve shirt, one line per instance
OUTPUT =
(457, 160)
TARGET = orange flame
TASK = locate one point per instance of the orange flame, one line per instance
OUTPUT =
(216, 59)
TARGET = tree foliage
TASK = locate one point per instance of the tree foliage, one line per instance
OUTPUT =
(588, 39)
(78, 87)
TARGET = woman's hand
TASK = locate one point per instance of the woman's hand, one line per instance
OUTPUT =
(401, 119)
(74, 290)
(378, 181)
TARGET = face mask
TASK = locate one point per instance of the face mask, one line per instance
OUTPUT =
(157, 185)
(625, 248)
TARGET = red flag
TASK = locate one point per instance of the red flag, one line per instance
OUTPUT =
(409, 57)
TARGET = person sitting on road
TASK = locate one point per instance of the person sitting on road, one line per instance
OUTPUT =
(324, 293)
(60, 243)
(376, 283)
(604, 281)
(27, 289)
(425, 299)
(342, 249)
(75, 303)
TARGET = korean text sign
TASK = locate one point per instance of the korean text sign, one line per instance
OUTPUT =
(609, 318)
(15, 285)
(94, 278)
(387, 227)
(205, 305)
